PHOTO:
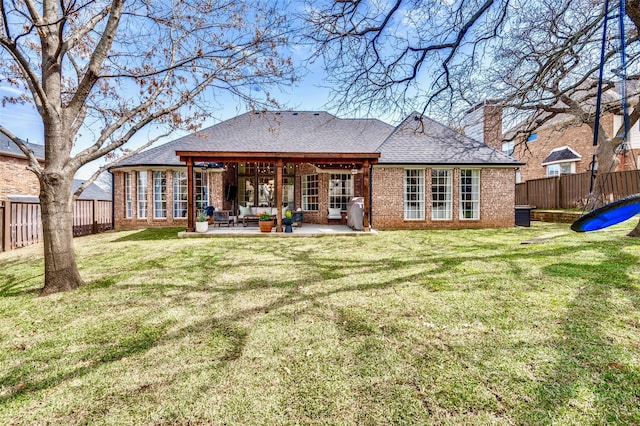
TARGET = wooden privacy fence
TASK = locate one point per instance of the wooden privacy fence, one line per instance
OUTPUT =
(21, 224)
(572, 191)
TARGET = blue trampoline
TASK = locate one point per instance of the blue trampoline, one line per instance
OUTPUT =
(608, 215)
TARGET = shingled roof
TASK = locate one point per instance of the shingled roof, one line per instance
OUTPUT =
(562, 154)
(7, 147)
(274, 131)
(417, 140)
(421, 140)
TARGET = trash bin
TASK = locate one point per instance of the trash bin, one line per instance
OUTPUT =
(523, 215)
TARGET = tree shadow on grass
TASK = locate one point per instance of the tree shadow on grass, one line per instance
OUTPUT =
(589, 363)
(228, 340)
(19, 286)
(334, 268)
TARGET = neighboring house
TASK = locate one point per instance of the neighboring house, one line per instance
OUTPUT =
(17, 183)
(419, 174)
(562, 147)
(92, 192)
(15, 178)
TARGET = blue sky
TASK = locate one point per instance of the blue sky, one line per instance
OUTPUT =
(24, 121)
(307, 94)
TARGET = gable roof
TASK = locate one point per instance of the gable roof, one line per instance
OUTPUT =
(560, 155)
(273, 131)
(7, 147)
(417, 140)
(421, 140)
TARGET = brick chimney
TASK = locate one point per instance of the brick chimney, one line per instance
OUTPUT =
(483, 122)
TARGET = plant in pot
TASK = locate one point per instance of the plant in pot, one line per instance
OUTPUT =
(265, 221)
(288, 221)
(201, 222)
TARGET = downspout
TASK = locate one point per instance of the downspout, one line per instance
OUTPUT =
(371, 196)
(113, 203)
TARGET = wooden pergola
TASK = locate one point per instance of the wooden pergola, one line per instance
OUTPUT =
(362, 160)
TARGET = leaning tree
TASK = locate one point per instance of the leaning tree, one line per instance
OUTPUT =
(540, 58)
(99, 72)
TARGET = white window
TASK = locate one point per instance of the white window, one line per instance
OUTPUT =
(470, 194)
(128, 198)
(441, 194)
(414, 194)
(310, 193)
(508, 148)
(340, 190)
(179, 194)
(202, 191)
(518, 176)
(159, 195)
(561, 169)
(142, 195)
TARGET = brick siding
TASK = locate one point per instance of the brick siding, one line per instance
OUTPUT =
(497, 200)
(16, 179)
(578, 138)
(215, 181)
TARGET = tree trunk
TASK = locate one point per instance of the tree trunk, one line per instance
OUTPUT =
(635, 232)
(60, 268)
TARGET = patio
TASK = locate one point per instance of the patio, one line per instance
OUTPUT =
(306, 230)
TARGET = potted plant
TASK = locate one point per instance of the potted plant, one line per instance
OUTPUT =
(201, 222)
(265, 221)
(288, 221)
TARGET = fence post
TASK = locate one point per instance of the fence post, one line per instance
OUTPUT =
(6, 223)
(94, 206)
(1, 226)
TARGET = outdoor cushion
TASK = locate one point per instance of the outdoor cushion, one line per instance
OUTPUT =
(335, 213)
(245, 211)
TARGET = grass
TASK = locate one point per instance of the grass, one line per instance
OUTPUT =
(409, 327)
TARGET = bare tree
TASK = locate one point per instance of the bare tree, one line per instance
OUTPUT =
(385, 55)
(106, 69)
(540, 58)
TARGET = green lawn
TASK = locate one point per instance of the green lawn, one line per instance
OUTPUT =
(407, 327)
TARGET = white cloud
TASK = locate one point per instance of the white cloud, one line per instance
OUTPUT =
(11, 90)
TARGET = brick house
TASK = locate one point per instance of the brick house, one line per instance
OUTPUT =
(419, 174)
(18, 183)
(561, 147)
(15, 178)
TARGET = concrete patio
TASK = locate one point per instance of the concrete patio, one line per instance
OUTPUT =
(306, 230)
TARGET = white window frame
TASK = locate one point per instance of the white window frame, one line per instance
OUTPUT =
(441, 178)
(142, 194)
(202, 191)
(414, 194)
(128, 196)
(159, 194)
(556, 169)
(340, 190)
(469, 195)
(180, 193)
(310, 192)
